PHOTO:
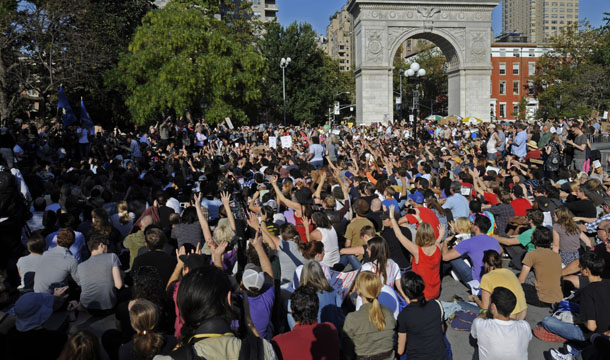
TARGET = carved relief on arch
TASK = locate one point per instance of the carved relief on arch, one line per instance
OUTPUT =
(479, 46)
(374, 46)
(396, 32)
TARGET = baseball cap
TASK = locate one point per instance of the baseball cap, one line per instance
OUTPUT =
(417, 197)
(253, 278)
(193, 261)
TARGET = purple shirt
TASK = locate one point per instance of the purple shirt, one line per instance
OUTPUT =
(474, 248)
(260, 310)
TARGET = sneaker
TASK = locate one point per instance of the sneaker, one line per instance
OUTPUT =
(559, 356)
(571, 350)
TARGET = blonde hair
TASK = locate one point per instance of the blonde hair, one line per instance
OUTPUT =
(223, 233)
(313, 275)
(123, 211)
(463, 225)
(425, 235)
(369, 288)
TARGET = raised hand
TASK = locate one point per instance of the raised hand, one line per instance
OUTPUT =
(225, 197)
(273, 179)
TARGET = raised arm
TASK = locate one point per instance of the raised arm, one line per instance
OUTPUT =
(257, 243)
(322, 179)
(281, 198)
(203, 219)
(225, 197)
(408, 244)
(251, 206)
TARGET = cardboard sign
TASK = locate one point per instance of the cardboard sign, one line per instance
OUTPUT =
(229, 123)
(272, 142)
(411, 118)
(286, 142)
(605, 117)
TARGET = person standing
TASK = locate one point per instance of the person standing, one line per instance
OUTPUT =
(519, 142)
(579, 144)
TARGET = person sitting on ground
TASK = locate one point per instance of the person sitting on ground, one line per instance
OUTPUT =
(474, 247)
(325, 233)
(27, 265)
(420, 325)
(517, 246)
(147, 342)
(543, 287)
(515, 335)
(135, 241)
(426, 254)
(495, 277)
(68, 221)
(57, 264)
(204, 301)
(309, 338)
(155, 241)
(84, 345)
(460, 269)
(349, 255)
(594, 313)
(369, 331)
(100, 276)
(567, 236)
(602, 249)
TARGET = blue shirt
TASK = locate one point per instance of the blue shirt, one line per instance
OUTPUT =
(520, 144)
(212, 206)
(458, 205)
(75, 249)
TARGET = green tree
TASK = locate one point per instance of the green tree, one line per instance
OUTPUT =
(571, 80)
(433, 87)
(46, 43)
(184, 59)
(312, 79)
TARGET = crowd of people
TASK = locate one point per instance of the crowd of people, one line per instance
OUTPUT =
(271, 242)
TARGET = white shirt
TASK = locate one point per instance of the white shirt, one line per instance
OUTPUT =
(391, 268)
(514, 335)
(331, 246)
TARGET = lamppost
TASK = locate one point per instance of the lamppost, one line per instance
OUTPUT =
(339, 105)
(283, 64)
(417, 73)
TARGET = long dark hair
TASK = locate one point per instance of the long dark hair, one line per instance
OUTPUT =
(203, 295)
(82, 346)
(379, 255)
(321, 220)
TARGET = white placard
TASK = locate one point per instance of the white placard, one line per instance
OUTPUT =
(272, 142)
(411, 118)
(605, 117)
(286, 141)
(229, 123)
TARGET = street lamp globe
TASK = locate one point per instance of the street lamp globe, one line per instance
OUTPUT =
(421, 72)
(415, 66)
(410, 72)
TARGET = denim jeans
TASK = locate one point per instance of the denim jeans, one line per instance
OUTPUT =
(563, 329)
(461, 269)
(317, 164)
(350, 259)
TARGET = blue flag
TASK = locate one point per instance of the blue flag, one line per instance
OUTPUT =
(68, 115)
(84, 116)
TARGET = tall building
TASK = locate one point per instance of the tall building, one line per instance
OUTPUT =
(513, 64)
(265, 10)
(339, 39)
(538, 19)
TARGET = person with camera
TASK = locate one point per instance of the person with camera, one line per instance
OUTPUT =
(578, 141)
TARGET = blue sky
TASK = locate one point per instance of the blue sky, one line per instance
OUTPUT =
(317, 12)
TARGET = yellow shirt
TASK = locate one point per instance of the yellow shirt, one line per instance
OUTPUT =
(505, 278)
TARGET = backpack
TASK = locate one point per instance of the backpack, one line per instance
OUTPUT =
(252, 348)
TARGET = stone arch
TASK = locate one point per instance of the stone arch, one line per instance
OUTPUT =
(447, 42)
(462, 30)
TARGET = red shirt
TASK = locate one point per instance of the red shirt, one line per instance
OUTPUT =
(308, 342)
(520, 205)
(491, 198)
(428, 216)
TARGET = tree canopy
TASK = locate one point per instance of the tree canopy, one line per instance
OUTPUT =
(184, 59)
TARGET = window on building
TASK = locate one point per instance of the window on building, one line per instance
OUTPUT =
(532, 52)
(516, 109)
(257, 14)
(502, 68)
(502, 110)
(531, 68)
(515, 52)
(515, 68)
(516, 87)
(341, 68)
(502, 87)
